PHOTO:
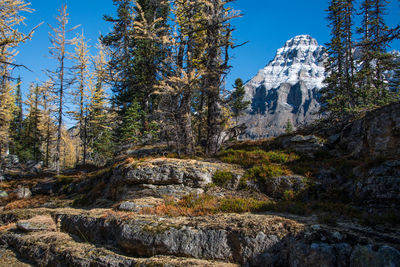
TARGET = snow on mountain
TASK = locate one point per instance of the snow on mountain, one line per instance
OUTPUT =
(286, 89)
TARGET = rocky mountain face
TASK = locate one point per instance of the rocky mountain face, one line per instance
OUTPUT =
(286, 89)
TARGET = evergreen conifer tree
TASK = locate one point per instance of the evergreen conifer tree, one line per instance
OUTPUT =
(289, 127)
(236, 102)
(375, 60)
(17, 122)
(131, 133)
(32, 138)
(120, 44)
(339, 94)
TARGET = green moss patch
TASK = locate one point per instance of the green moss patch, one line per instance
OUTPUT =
(222, 178)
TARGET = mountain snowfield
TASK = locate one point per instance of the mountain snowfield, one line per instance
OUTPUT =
(286, 89)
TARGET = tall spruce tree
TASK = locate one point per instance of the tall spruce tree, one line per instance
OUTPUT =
(339, 94)
(33, 138)
(17, 122)
(149, 52)
(101, 118)
(236, 101)
(217, 22)
(375, 61)
(119, 43)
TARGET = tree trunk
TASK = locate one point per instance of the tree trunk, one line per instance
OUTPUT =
(213, 130)
(186, 121)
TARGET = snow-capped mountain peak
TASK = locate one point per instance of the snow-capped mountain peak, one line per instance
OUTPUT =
(301, 58)
(287, 88)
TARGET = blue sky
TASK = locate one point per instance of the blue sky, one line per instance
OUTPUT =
(266, 25)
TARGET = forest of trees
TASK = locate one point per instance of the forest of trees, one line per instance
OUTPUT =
(164, 62)
(359, 66)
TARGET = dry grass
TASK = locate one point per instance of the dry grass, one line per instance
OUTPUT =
(201, 205)
(33, 202)
(256, 157)
(7, 227)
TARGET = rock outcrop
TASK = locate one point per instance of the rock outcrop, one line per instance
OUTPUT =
(375, 135)
(105, 238)
(164, 176)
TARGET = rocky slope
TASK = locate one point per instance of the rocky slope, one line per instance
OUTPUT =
(328, 197)
(286, 89)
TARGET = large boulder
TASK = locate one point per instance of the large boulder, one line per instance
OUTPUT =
(307, 145)
(277, 186)
(3, 194)
(164, 176)
(379, 184)
(375, 135)
(368, 257)
(23, 192)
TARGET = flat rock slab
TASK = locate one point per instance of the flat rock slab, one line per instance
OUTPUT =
(37, 223)
(248, 239)
(62, 250)
(130, 206)
(166, 171)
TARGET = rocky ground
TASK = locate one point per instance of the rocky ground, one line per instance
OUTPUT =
(325, 199)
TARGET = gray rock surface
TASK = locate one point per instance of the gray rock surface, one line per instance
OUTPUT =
(277, 186)
(380, 184)
(23, 192)
(49, 187)
(165, 176)
(250, 240)
(3, 194)
(307, 145)
(37, 223)
(375, 135)
(368, 257)
(130, 206)
(59, 249)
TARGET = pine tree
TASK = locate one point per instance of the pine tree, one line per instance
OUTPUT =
(58, 51)
(100, 118)
(81, 75)
(149, 52)
(131, 133)
(17, 122)
(32, 136)
(236, 101)
(339, 95)
(47, 125)
(218, 42)
(99, 127)
(394, 84)
(375, 60)
(289, 127)
(119, 42)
